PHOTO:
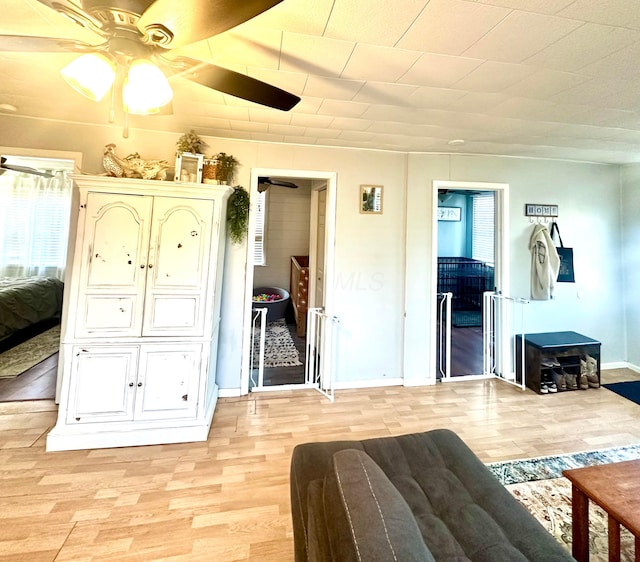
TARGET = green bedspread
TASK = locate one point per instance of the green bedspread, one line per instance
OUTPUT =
(27, 300)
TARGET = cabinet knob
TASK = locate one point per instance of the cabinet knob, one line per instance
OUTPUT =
(139, 384)
(130, 384)
(141, 266)
(150, 266)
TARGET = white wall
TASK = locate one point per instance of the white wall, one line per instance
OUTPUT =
(287, 233)
(631, 256)
(382, 262)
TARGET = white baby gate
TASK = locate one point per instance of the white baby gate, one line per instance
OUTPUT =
(320, 346)
(503, 319)
(256, 360)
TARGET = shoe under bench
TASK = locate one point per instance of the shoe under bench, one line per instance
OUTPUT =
(566, 347)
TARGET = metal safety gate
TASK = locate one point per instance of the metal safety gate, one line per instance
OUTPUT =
(321, 346)
(503, 319)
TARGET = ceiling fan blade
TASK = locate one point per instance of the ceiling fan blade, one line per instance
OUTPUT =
(25, 170)
(75, 13)
(238, 85)
(194, 20)
(264, 184)
(28, 44)
(283, 183)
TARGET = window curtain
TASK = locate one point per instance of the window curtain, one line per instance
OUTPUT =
(34, 224)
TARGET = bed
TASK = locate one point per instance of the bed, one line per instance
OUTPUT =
(26, 301)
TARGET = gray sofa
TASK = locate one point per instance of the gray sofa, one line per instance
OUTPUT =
(424, 496)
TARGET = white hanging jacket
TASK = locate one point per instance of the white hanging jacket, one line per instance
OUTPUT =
(545, 264)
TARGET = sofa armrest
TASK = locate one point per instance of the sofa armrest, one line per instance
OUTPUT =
(365, 515)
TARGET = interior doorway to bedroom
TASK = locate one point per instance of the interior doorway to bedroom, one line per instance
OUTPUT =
(34, 222)
(470, 260)
(289, 263)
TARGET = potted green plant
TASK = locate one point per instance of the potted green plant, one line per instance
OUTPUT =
(238, 214)
(220, 168)
(191, 143)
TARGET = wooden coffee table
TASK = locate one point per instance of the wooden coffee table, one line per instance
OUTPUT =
(615, 487)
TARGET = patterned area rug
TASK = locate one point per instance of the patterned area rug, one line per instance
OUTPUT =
(526, 470)
(539, 486)
(279, 349)
(22, 357)
(550, 503)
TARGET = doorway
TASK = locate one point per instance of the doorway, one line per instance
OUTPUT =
(294, 256)
(34, 247)
(470, 250)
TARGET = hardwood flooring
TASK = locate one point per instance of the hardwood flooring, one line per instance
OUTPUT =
(466, 351)
(38, 383)
(227, 498)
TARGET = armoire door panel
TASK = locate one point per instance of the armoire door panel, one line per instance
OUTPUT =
(103, 313)
(116, 240)
(170, 381)
(181, 239)
(175, 313)
(179, 266)
(114, 264)
(102, 383)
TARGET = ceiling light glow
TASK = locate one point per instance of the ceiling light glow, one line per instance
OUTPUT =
(92, 75)
(146, 89)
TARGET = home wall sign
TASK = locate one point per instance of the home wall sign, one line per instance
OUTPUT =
(538, 210)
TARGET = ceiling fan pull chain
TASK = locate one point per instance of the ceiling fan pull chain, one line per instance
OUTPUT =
(112, 109)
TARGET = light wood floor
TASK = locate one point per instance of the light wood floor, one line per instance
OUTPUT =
(228, 498)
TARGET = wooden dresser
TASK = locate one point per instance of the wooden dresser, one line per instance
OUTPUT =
(299, 289)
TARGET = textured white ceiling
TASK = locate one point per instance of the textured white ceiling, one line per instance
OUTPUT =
(547, 78)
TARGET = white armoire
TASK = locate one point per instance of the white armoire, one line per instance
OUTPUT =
(140, 317)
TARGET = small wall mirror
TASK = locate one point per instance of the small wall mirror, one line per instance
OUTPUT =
(371, 199)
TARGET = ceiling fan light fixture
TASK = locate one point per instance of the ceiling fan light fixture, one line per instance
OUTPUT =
(146, 89)
(91, 74)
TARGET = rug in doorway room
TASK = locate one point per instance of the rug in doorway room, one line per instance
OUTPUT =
(539, 486)
(22, 357)
(279, 349)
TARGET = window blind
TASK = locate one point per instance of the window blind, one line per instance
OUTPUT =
(259, 246)
(483, 225)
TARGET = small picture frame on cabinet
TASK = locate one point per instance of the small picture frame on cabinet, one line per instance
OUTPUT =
(189, 167)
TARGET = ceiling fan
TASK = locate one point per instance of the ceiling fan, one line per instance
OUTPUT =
(265, 183)
(4, 167)
(140, 34)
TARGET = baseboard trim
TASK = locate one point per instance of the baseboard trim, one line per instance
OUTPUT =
(619, 365)
(419, 382)
(275, 387)
(229, 393)
(368, 383)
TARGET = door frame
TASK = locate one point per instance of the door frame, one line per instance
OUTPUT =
(502, 266)
(331, 179)
(316, 188)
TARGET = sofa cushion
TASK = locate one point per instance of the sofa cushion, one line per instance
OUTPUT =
(366, 517)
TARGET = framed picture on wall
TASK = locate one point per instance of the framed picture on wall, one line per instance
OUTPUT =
(371, 199)
(449, 213)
